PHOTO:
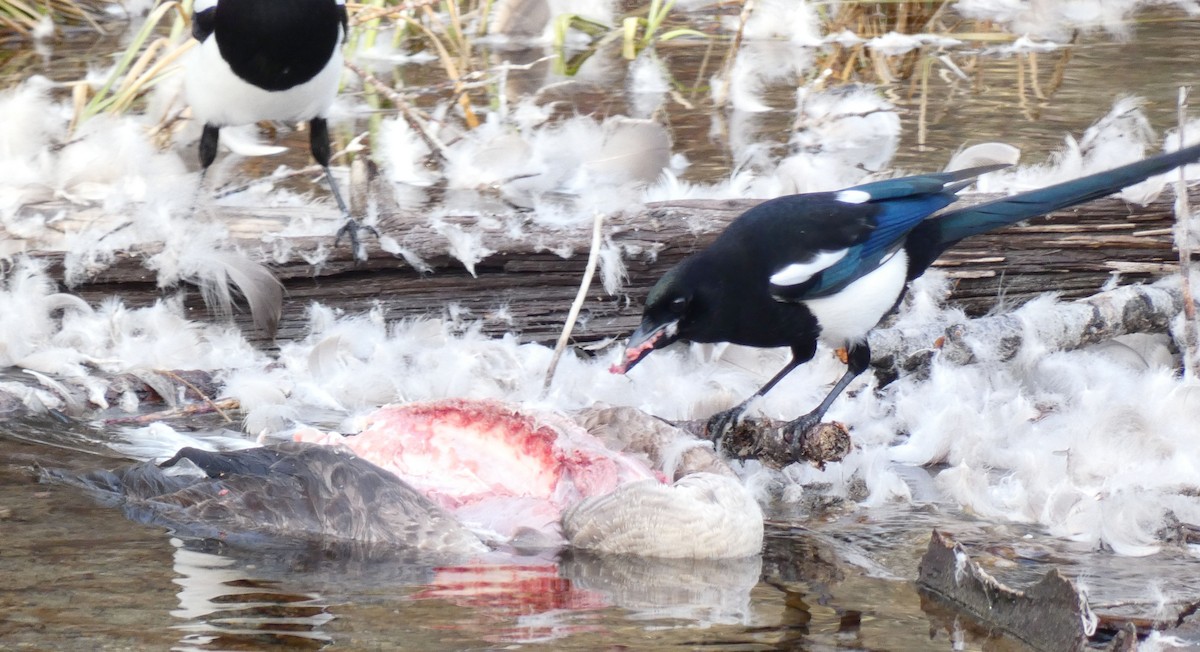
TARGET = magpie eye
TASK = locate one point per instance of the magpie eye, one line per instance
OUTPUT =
(678, 304)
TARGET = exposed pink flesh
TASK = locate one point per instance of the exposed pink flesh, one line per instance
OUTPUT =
(633, 354)
(472, 455)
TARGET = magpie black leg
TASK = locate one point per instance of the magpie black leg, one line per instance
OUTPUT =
(721, 423)
(209, 138)
(208, 146)
(858, 358)
(319, 143)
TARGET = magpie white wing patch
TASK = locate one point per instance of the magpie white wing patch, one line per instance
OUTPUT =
(798, 273)
(200, 5)
(853, 196)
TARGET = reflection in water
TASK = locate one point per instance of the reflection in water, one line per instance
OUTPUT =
(234, 598)
(698, 591)
(225, 609)
(518, 603)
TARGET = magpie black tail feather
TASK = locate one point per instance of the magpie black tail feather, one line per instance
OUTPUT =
(932, 237)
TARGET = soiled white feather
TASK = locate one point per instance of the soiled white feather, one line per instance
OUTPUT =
(244, 141)
(612, 268)
(984, 154)
(772, 20)
(491, 155)
(1122, 136)
(1057, 20)
(647, 84)
(219, 273)
(32, 123)
(463, 244)
(27, 304)
(110, 162)
(839, 134)
(895, 44)
(159, 442)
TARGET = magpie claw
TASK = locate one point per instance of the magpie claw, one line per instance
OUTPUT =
(721, 424)
(797, 432)
(350, 230)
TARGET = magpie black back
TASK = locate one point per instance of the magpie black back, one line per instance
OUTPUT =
(276, 44)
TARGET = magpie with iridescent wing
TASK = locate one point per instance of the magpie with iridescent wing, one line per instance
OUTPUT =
(268, 60)
(829, 266)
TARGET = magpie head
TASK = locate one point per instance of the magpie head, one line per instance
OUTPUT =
(669, 306)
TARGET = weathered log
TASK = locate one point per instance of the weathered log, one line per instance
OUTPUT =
(1069, 325)
(514, 275)
(1052, 615)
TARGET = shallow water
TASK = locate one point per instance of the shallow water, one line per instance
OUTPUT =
(79, 575)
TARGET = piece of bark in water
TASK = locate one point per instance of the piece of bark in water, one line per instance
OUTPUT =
(1052, 615)
(763, 440)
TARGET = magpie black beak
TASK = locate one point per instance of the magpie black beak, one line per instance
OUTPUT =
(645, 339)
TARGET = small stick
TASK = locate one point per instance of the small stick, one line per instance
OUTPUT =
(204, 397)
(727, 69)
(580, 297)
(922, 115)
(177, 413)
(1183, 241)
(406, 111)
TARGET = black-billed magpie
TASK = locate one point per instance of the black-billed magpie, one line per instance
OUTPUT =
(830, 265)
(268, 60)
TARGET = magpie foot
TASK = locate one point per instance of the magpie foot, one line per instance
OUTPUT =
(797, 433)
(350, 230)
(816, 442)
(721, 424)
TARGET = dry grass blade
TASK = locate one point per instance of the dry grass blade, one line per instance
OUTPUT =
(588, 273)
(135, 73)
(23, 17)
(1183, 242)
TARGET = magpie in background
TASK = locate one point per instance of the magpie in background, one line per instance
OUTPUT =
(269, 60)
(828, 266)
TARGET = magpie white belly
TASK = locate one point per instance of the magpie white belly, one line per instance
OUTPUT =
(847, 317)
(219, 97)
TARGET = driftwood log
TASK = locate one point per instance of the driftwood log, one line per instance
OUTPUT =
(524, 275)
(1052, 614)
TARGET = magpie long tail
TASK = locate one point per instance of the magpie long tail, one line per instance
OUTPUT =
(933, 236)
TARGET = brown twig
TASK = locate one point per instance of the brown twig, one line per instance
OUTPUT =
(204, 397)
(406, 110)
(194, 409)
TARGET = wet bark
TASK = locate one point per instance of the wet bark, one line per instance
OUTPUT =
(1052, 615)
